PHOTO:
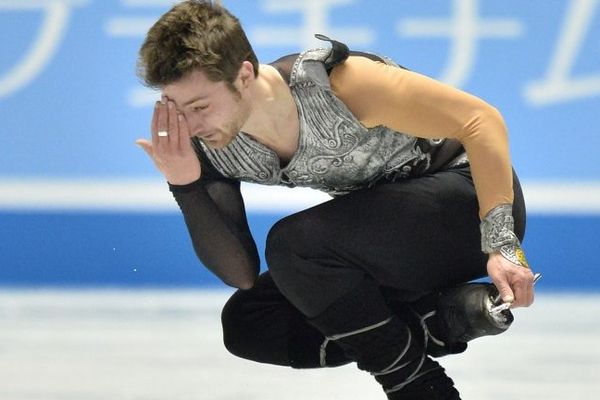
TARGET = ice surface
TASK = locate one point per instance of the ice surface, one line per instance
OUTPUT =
(166, 345)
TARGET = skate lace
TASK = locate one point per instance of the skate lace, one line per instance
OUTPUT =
(417, 373)
(423, 321)
(393, 367)
(323, 348)
(428, 334)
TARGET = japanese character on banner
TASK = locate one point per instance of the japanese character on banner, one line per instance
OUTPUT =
(29, 65)
(465, 28)
(559, 85)
(315, 19)
(134, 26)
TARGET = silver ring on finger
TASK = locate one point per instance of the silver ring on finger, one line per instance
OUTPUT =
(163, 133)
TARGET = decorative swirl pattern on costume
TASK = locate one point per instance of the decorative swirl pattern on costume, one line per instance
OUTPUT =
(247, 160)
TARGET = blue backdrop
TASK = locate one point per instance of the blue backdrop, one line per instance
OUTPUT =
(71, 108)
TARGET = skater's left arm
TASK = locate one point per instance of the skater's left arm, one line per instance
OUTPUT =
(411, 103)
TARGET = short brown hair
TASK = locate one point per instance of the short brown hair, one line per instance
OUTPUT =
(194, 34)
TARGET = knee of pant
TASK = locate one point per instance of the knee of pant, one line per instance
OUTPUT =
(232, 322)
(286, 239)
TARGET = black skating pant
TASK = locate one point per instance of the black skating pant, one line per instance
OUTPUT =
(410, 236)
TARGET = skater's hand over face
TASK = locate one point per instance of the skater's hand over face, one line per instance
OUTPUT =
(171, 147)
(514, 282)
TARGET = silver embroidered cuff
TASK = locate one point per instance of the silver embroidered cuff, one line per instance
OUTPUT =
(497, 229)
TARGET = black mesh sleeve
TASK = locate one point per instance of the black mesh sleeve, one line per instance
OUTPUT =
(214, 213)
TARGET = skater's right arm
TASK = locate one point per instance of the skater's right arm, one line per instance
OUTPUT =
(216, 220)
(212, 206)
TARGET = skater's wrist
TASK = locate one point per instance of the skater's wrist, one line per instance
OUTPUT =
(497, 235)
(497, 229)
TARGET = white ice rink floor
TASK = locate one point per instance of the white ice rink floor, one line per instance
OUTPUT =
(166, 345)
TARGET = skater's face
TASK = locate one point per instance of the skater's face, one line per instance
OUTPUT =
(214, 111)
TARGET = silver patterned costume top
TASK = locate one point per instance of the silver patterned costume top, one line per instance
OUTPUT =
(336, 153)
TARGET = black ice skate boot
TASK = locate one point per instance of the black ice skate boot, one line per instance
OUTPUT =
(452, 317)
(466, 312)
(362, 325)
